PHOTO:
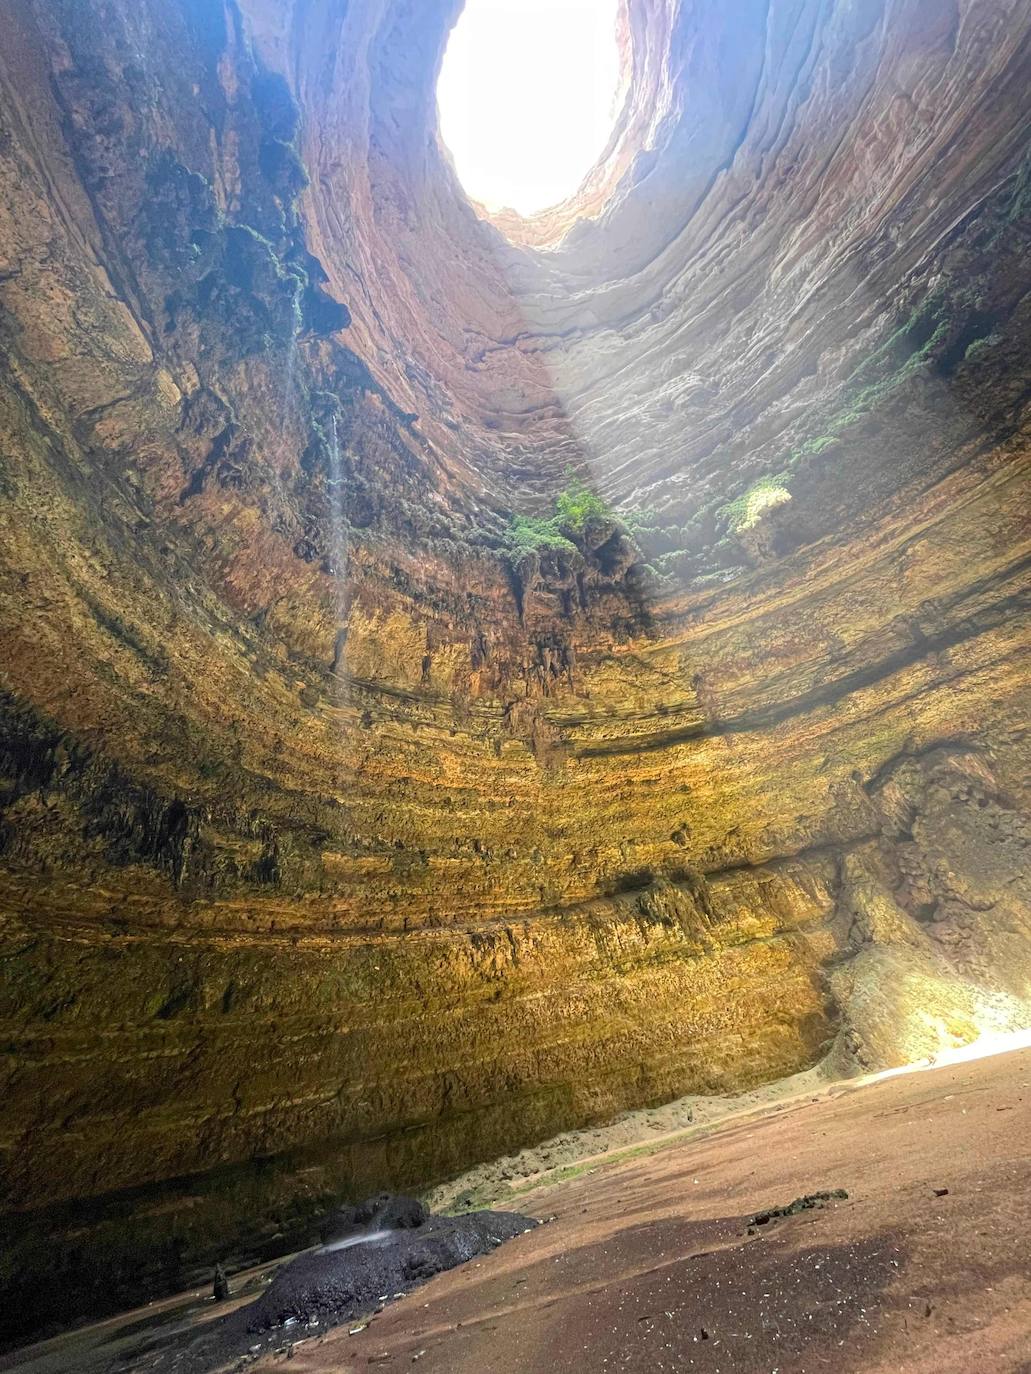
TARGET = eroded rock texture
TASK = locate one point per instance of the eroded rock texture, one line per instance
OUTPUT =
(345, 840)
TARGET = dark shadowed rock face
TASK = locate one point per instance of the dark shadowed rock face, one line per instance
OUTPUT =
(452, 690)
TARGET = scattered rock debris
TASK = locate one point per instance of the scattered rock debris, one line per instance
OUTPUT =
(800, 1204)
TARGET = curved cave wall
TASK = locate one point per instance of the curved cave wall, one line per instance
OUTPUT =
(359, 819)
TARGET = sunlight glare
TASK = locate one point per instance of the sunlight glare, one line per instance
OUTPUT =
(527, 97)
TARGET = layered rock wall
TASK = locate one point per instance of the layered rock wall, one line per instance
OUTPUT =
(344, 840)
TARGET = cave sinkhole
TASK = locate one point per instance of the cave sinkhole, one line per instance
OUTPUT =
(528, 96)
(530, 712)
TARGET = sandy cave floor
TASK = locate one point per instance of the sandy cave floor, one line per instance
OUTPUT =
(648, 1264)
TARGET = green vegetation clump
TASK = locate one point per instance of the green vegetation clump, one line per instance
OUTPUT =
(913, 346)
(577, 504)
(980, 346)
(525, 532)
(745, 512)
(866, 397)
(574, 507)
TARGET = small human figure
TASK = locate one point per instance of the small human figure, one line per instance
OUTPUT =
(221, 1285)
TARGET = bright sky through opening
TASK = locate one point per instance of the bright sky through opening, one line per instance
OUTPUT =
(527, 97)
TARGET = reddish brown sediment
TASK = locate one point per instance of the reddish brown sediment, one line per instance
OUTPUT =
(653, 1264)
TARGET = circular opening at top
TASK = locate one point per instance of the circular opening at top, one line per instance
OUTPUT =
(528, 96)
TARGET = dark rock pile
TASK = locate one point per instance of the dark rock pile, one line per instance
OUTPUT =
(373, 1254)
(372, 1260)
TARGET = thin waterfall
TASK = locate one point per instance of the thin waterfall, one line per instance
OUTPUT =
(338, 541)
